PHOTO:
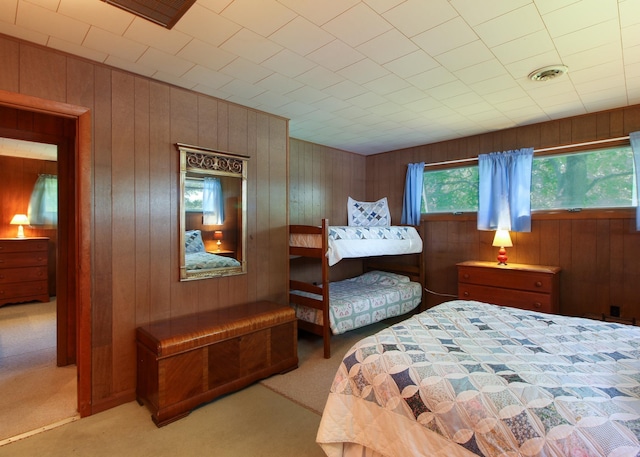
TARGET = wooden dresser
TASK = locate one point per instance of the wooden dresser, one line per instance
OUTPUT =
(190, 360)
(24, 270)
(532, 287)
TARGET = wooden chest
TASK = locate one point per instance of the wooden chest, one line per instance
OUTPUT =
(190, 360)
(531, 287)
(24, 270)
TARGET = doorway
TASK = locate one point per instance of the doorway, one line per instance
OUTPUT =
(69, 127)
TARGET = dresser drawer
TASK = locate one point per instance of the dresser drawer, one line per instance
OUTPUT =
(23, 259)
(511, 279)
(8, 275)
(24, 245)
(507, 297)
(23, 289)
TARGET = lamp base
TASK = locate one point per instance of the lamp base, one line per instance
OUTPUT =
(20, 232)
(502, 256)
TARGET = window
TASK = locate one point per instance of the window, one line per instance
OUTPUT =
(43, 205)
(193, 189)
(602, 178)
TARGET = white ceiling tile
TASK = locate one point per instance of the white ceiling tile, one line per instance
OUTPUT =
(148, 33)
(488, 69)
(245, 70)
(164, 62)
(174, 80)
(415, 16)
(129, 66)
(335, 56)
(411, 64)
(331, 104)
(35, 17)
(432, 78)
(216, 6)
(512, 93)
(510, 26)
(406, 95)
(459, 102)
(387, 84)
(604, 100)
(301, 36)
(8, 28)
(609, 52)
(629, 13)
(288, 63)
(632, 54)
(547, 6)
(96, 56)
(631, 35)
(591, 37)
(497, 84)
(387, 47)
(98, 14)
(8, 11)
(357, 25)
(319, 12)
(319, 78)
(279, 83)
(307, 95)
(207, 26)
(363, 71)
(449, 90)
(251, 46)
(345, 90)
(207, 77)
(475, 12)
(103, 41)
(382, 6)
(523, 68)
(465, 56)
(524, 47)
(445, 37)
(368, 100)
(264, 17)
(235, 86)
(580, 15)
(214, 59)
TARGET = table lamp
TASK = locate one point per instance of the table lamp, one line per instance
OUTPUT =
(502, 240)
(20, 220)
(217, 235)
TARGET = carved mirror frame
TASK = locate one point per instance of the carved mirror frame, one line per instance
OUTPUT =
(197, 162)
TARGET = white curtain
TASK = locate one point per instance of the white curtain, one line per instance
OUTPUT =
(413, 190)
(634, 138)
(43, 205)
(504, 193)
(212, 202)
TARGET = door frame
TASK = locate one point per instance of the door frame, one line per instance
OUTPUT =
(80, 252)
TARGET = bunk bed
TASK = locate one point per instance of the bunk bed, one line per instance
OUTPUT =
(465, 378)
(387, 287)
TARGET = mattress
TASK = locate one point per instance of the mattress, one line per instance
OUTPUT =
(206, 261)
(363, 300)
(354, 242)
(467, 378)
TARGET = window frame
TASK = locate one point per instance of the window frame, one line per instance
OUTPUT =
(556, 214)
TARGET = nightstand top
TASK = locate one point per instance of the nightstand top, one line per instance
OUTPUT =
(510, 266)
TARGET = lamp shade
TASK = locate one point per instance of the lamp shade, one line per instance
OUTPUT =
(19, 219)
(502, 239)
(217, 235)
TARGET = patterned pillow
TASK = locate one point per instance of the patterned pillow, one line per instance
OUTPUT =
(193, 242)
(382, 278)
(368, 214)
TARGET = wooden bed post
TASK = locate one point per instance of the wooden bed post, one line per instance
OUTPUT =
(326, 327)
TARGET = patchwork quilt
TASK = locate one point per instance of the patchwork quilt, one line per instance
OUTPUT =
(206, 260)
(363, 300)
(467, 378)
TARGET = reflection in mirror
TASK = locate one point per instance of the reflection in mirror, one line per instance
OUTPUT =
(213, 193)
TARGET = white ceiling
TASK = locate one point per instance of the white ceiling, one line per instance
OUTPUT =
(367, 76)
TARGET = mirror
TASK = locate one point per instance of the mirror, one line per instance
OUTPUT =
(213, 202)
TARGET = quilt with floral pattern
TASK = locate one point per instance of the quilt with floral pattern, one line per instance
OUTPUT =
(467, 378)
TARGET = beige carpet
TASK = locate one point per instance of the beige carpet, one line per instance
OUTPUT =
(309, 385)
(36, 393)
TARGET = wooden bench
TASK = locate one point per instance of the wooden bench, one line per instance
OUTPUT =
(190, 360)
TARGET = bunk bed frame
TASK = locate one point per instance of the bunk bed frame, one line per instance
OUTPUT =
(415, 272)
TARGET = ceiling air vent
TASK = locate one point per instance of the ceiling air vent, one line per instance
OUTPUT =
(162, 12)
(548, 73)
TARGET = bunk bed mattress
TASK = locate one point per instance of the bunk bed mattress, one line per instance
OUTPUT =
(354, 242)
(467, 378)
(207, 260)
(363, 300)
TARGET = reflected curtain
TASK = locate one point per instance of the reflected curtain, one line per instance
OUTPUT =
(43, 205)
(413, 190)
(634, 138)
(504, 193)
(212, 202)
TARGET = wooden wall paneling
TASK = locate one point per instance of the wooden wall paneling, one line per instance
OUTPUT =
(142, 211)
(583, 255)
(10, 74)
(123, 205)
(318, 180)
(627, 121)
(161, 154)
(602, 267)
(293, 175)
(584, 129)
(251, 223)
(549, 241)
(603, 126)
(262, 233)
(279, 256)
(50, 84)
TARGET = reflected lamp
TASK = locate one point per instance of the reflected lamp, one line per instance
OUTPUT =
(20, 220)
(502, 240)
(217, 235)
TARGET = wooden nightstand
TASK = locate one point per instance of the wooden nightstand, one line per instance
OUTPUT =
(532, 287)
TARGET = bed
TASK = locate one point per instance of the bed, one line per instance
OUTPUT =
(467, 378)
(386, 289)
(197, 258)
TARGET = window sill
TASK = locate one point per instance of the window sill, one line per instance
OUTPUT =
(616, 213)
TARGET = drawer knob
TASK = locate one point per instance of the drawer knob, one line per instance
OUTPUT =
(538, 283)
(465, 293)
(537, 305)
(465, 276)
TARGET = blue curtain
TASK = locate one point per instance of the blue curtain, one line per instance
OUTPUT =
(504, 193)
(212, 202)
(634, 138)
(412, 194)
(43, 205)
